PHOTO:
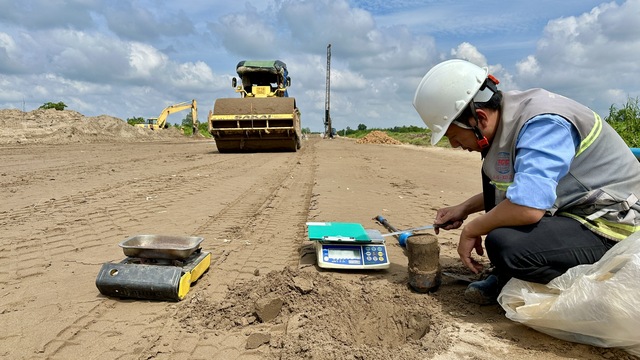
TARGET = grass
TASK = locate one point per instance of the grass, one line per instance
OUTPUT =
(418, 138)
(626, 121)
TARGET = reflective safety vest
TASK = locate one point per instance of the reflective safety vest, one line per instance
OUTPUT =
(602, 186)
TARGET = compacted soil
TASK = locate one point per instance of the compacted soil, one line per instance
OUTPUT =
(74, 187)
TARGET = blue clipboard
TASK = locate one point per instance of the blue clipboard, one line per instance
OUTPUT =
(337, 231)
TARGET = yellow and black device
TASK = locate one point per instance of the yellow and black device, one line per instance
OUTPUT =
(157, 267)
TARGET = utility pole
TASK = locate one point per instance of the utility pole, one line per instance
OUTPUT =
(327, 117)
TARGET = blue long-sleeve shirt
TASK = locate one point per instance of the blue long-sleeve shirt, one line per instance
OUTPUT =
(545, 147)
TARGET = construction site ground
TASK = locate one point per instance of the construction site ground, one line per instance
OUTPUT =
(74, 187)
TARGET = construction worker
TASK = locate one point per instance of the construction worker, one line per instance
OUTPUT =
(560, 187)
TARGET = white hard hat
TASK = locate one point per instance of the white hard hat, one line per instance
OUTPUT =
(445, 91)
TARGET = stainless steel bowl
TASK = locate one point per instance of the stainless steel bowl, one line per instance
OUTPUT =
(161, 246)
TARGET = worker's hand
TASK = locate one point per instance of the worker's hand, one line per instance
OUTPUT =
(449, 218)
(466, 245)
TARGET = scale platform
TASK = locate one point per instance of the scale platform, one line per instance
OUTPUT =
(157, 267)
(348, 246)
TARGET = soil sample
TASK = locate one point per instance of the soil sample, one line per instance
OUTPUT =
(424, 263)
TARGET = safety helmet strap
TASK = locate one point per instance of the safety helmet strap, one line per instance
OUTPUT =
(482, 140)
(490, 82)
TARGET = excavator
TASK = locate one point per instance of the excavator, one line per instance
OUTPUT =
(264, 117)
(161, 121)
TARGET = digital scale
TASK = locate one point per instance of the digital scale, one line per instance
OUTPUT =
(157, 267)
(342, 245)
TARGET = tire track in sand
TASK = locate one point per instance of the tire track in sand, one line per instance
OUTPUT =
(263, 228)
(260, 231)
(73, 232)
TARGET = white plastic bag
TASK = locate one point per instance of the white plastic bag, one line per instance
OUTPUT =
(596, 304)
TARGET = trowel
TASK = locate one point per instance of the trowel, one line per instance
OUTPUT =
(459, 277)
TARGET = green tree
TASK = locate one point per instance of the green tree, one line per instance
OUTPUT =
(187, 124)
(49, 105)
(306, 130)
(406, 129)
(626, 121)
(187, 121)
(362, 127)
(135, 120)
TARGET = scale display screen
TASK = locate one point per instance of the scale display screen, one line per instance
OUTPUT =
(352, 256)
(344, 253)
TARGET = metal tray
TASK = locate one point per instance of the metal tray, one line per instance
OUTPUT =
(161, 246)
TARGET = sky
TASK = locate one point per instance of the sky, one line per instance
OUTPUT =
(132, 58)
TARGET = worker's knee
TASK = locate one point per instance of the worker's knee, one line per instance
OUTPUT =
(502, 250)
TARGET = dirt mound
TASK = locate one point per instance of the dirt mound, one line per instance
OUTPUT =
(378, 137)
(62, 127)
(356, 317)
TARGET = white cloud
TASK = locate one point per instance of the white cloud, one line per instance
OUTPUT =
(145, 61)
(345, 80)
(9, 55)
(247, 34)
(128, 58)
(97, 74)
(590, 57)
(368, 61)
(470, 53)
(82, 56)
(197, 76)
(312, 24)
(528, 68)
(8, 44)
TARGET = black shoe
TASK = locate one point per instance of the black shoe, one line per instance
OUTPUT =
(483, 292)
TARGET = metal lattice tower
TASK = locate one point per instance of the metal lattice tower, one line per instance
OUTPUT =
(327, 116)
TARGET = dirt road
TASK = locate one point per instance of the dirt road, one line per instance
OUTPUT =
(66, 207)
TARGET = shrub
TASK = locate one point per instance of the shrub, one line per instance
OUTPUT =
(49, 105)
(626, 121)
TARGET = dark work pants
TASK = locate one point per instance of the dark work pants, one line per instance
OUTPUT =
(543, 251)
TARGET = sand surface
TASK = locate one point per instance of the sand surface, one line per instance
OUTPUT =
(74, 187)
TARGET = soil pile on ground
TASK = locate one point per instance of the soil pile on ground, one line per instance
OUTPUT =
(311, 315)
(63, 127)
(378, 137)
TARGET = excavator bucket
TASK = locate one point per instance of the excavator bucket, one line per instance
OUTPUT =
(255, 124)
